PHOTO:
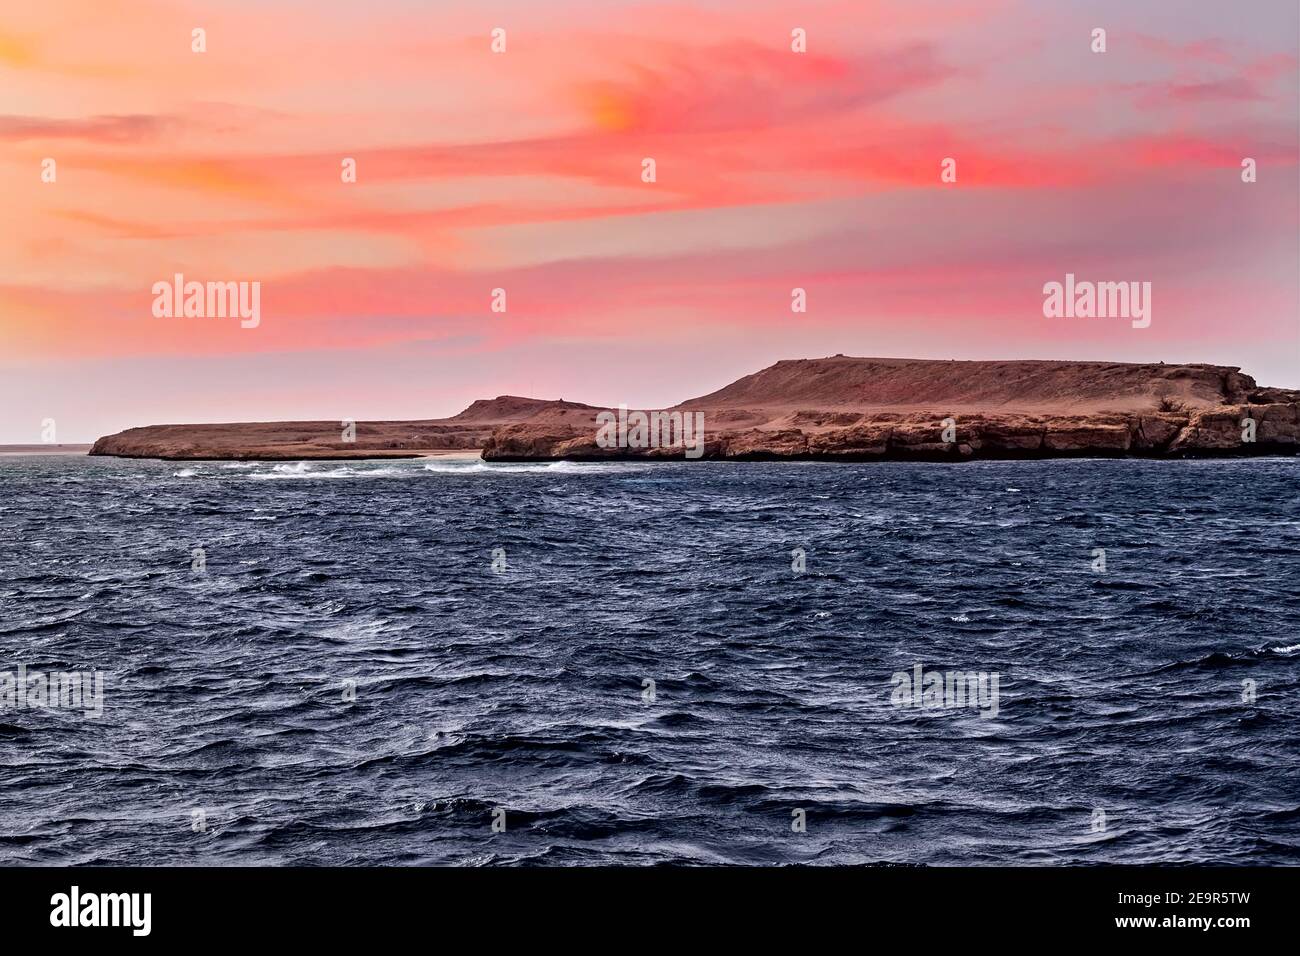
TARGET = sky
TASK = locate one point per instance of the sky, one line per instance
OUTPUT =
(523, 169)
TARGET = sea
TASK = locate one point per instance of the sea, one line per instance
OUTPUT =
(447, 661)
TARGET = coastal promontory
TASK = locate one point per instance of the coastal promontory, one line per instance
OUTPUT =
(838, 408)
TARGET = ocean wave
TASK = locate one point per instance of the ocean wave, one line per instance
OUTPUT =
(306, 470)
(412, 469)
(649, 680)
(529, 468)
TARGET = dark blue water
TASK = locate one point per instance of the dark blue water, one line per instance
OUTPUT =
(1125, 693)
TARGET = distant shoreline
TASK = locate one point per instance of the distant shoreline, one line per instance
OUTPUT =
(33, 451)
(839, 408)
(11, 451)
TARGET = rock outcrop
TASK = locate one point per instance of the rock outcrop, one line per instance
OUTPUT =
(852, 409)
(284, 441)
(834, 409)
(1217, 433)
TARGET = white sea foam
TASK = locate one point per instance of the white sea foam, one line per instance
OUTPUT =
(302, 469)
(413, 468)
(525, 468)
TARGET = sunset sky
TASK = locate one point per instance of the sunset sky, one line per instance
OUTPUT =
(522, 170)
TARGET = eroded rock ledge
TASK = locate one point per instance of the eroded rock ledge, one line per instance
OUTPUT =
(1217, 432)
(836, 409)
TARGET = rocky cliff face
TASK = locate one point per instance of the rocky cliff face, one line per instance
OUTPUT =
(1219, 432)
(287, 441)
(835, 409)
(851, 409)
(284, 441)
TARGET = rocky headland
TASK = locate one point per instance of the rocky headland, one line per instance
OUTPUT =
(838, 408)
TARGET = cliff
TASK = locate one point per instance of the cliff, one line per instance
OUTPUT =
(864, 409)
(837, 408)
(291, 441)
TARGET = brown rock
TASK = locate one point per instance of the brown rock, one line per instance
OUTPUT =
(837, 408)
(1152, 433)
(1081, 435)
(788, 443)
